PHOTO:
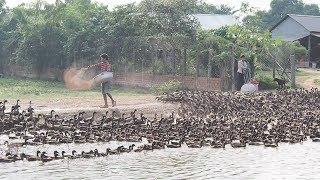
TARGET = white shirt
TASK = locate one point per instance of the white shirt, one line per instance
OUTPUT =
(242, 65)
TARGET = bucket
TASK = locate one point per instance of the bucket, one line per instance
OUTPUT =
(103, 77)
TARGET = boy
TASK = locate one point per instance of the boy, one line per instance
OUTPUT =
(105, 66)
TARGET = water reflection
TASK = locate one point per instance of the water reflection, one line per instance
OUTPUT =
(285, 162)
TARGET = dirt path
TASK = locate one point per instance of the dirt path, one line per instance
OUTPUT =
(144, 103)
(307, 78)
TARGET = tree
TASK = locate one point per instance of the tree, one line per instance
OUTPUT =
(2, 9)
(311, 9)
(205, 8)
(168, 17)
(279, 9)
(255, 21)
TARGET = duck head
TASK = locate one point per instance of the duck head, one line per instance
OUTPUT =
(38, 152)
(56, 154)
(96, 152)
(132, 146)
(23, 156)
(108, 151)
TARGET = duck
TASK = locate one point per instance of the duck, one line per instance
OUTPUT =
(45, 158)
(89, 154)
(74, 155)
(30, 157)
(112, 152)
(56, 155)
(174, 144)
(3, 108)
(139, 148)
(194, 144)
(7, 159)
(122, 149)
(315, 139)
(238, 144)
(157, 145)
(218, 145)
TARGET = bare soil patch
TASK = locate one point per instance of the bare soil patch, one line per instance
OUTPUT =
(144, 103)
(308, 79)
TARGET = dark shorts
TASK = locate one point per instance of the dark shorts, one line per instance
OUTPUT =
(106, 87)
(240, 81)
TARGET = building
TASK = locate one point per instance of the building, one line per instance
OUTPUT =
(215, 21)
(302, 28)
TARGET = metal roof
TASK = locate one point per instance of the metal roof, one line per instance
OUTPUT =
(310, 23)
(215, 21)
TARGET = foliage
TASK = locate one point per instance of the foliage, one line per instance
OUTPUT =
(279, 9)
(42, 36)
(299, 51)
(158, 67)
(266, 81)
(168, 87)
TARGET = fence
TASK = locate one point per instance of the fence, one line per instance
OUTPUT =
(149, 80)
(148, 61)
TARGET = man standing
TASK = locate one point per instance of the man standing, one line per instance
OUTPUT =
(242, 66)
(105, 66)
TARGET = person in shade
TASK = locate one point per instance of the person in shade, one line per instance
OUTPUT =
(105, 66)
(242, 66)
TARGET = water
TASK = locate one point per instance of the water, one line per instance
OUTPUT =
(299, 161)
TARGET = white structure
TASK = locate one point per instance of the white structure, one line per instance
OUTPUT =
(215, 21)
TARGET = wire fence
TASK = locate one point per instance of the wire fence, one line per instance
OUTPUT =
(149, 61)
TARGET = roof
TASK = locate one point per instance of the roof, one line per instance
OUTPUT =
(310, 23)
(215, 21)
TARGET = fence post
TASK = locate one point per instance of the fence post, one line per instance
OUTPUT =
(174, 62)
(125, 70)
(209, 69)
(184, 64)
(142, 69)
(197, 69)
(293, 71)
(273, 68)
(233, 87)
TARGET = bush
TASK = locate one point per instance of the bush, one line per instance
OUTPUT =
(266, 82)
(158, 67)
(168, 87)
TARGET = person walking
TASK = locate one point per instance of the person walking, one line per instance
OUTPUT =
(105, 66)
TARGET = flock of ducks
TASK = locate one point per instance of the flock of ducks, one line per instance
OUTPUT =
(264, 118)
(212, 119)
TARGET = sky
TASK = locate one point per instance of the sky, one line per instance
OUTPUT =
(260, 4)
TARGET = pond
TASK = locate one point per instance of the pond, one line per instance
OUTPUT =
(288, 161)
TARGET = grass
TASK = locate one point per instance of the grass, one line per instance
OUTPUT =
(303, 76)
(15, 88)
(264, 73)
(301, 73)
